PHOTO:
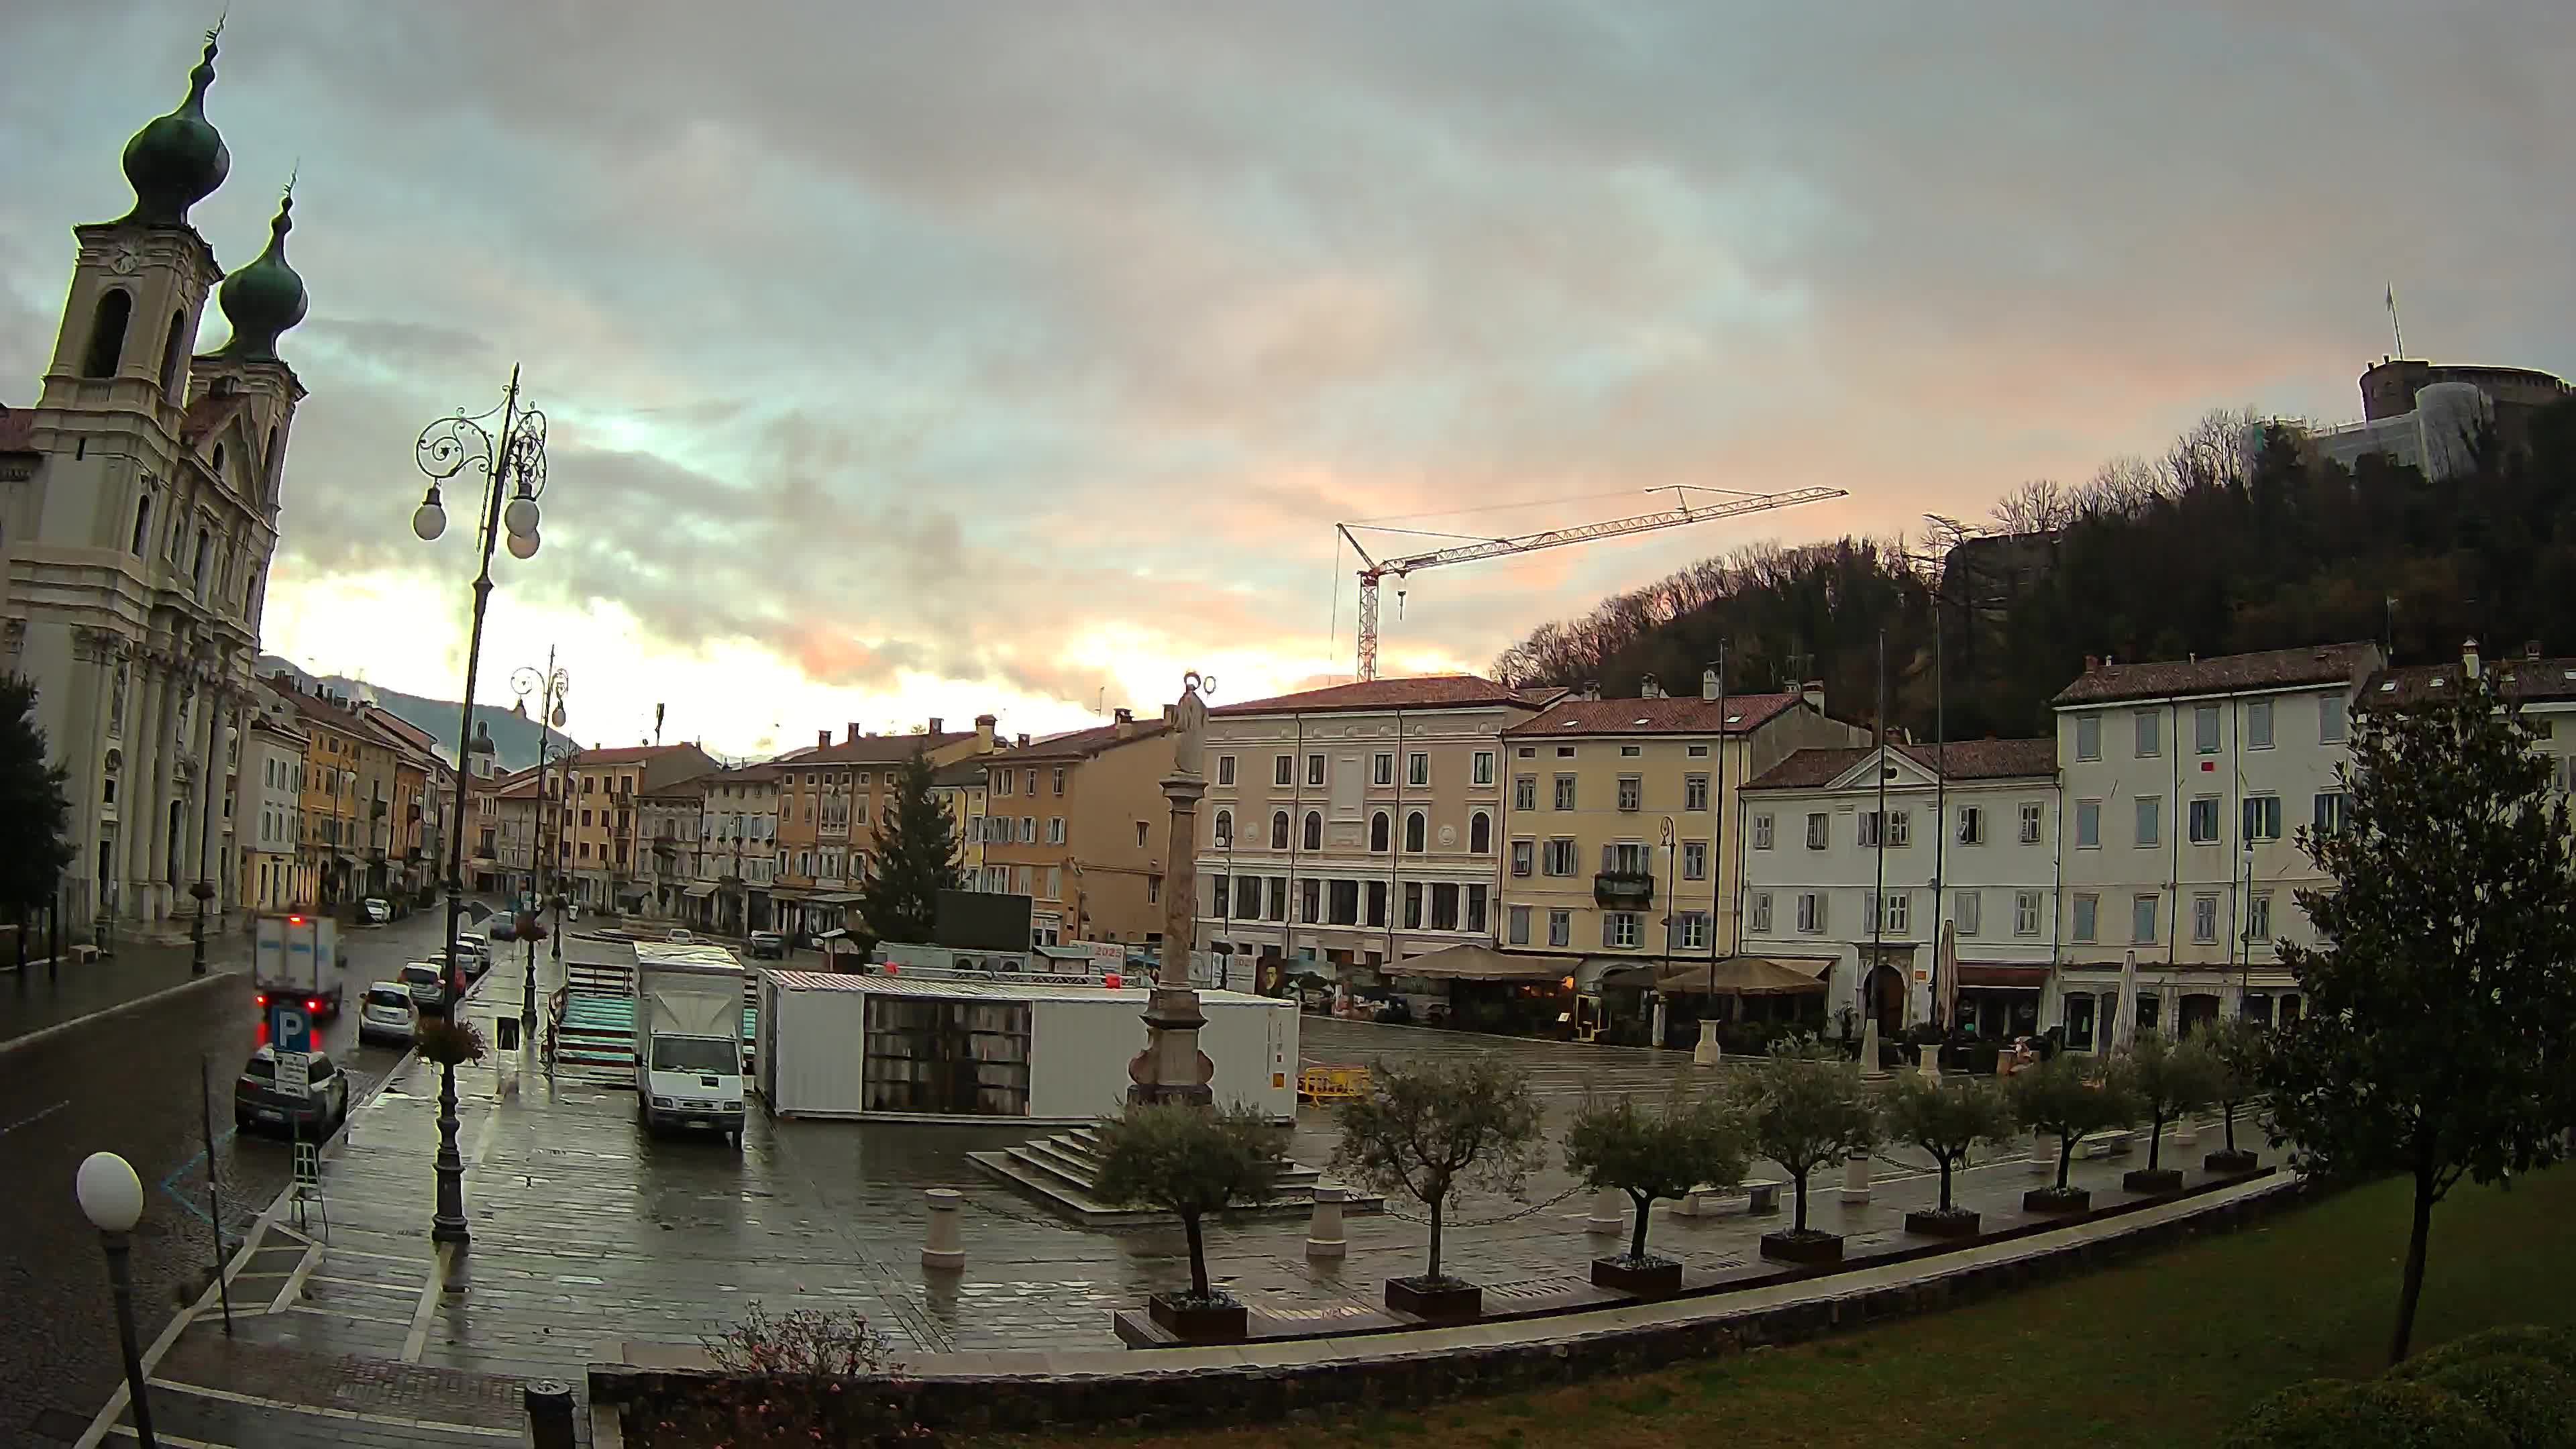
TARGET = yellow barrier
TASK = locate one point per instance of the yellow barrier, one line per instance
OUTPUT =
(1333, 1084)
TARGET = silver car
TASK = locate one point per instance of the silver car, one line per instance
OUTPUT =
(386, 1014)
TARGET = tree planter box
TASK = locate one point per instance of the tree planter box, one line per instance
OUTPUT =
(1199, 1320)
(2230, 1162)
(1807, 1247)
(2152, 1180)
(1443, 1299)
(1933, 1223)
(2050, 1200)
(1647, 1278)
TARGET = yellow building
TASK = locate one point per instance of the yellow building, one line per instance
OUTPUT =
(1616, 817)
(960, 790)
(1079, 824)
(831, 799)
(333, 837)
(603, 858)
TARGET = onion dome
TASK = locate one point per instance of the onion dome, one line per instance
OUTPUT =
(265, 298)
(179, 159)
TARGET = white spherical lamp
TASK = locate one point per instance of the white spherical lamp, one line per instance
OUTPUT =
(429, 520)
(521, 516)
(111, 1196)
(523, 545)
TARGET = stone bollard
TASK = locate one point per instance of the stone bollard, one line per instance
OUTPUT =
(2043, 1154)
(549, 1406)
(2186, 1131)
(1856, 1178)
(1324, 1230)
(944, 1248)
(1707, 1053)
(1869, 1063)
(1929, 1063)
(1655, 1032)
(1609, 1213)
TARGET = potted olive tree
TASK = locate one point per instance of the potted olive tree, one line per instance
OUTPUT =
(2240, 1048)
(2057, 1098)
(1947, 1120)
(2170, 1079)
(1806, 1110)
(1190, 1161)
(1694, 1142)
(1428, 1131)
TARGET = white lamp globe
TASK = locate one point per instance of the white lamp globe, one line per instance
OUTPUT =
(523, 545)
(429, 520)
(521, 516)
(111, 1196)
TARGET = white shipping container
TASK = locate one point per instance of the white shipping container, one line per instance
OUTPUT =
(975, 1050)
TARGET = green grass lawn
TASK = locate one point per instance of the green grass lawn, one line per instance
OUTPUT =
(2163, 1351)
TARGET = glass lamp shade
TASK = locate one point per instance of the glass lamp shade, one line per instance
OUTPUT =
(429, 520)
(560, 717)
(111, 1196)
(523, 545)
(521, 516)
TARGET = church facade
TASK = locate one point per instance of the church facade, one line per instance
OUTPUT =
(138, 513)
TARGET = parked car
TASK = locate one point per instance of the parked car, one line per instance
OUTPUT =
(376, 910)
(426, 982)
(768, 946)
(257, 1102)
(680, 937)
(386, 1014)
(471, 956)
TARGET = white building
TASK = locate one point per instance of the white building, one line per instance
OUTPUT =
(1356, 824)
(1967, 841)
(138, 510)
(268, 812)
(2185, 783)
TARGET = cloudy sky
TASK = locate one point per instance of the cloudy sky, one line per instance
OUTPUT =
(930, 359)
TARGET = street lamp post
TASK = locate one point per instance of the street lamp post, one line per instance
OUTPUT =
(549, 688)
(111, 1197)
(516, 461)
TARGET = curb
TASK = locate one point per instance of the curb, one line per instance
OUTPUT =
(195, 983)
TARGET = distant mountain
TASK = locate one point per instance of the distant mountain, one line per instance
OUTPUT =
(517, 739)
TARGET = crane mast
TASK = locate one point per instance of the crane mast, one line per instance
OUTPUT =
(1376, 571)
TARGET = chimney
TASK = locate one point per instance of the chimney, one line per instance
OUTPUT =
(853, 727)
(984, 731)
(2469, 658)
(935, 723)
(822, 738)
(2092, 663)
(1813, 692)
(1122, 723)
(1708, 686)
(2531, 649)
(1023, 740)
(1648, 687)
(1591, 690)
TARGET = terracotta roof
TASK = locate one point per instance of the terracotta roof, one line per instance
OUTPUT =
(2524, 678)
(523, 788)
(1079, 744)
(625, 755)
(966, 773)
(1430, 691)
(876, 749)
(1689, 715)
(2220, 674)
(209, 413)
(17, 430)
(1965, 759)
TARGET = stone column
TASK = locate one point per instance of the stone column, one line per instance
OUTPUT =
(1171, 1068)
(137, 795)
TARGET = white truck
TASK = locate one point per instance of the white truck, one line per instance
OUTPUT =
(295, 956)
(688, 1038)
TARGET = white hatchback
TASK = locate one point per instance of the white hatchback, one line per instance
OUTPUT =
(386, 1014)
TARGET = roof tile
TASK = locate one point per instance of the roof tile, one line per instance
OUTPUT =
(1672, 715)
(2525, 679)
(1430, 691)
(2221, 674)
(1078, 744)
(1966, 760)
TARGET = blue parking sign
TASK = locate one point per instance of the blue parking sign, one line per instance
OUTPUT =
(290, 1028)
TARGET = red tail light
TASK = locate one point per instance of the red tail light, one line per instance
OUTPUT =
(262, 999)
(313, 1006)
(295, 920)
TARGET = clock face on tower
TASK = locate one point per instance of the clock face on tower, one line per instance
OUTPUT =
(124, 259)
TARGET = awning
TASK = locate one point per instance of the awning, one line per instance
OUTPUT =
(835, 898)
(1997, 976)
(699, 892)
(1470, 962)
(1732, 976)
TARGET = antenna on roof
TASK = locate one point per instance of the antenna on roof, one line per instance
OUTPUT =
(2395, 328)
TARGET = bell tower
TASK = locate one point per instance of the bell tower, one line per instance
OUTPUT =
(140, 284)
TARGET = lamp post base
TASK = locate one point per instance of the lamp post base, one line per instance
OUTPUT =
(447, 1224)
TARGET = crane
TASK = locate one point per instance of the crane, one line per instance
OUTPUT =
(1681, 512)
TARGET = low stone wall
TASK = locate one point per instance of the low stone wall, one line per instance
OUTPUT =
(1391, 1373)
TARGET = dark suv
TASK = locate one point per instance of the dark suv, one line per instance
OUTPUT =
(257, 1102)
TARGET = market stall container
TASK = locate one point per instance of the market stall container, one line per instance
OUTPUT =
(911, 1045)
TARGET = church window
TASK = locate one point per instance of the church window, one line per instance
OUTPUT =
(107, 333)
(219, 460)
(174, 355)
(142, 523)
(205, 549)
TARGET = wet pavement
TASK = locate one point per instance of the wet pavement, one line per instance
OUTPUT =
(128, 1082)
(586, 1234)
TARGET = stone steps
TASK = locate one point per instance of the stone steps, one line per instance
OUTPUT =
(1063, 1172)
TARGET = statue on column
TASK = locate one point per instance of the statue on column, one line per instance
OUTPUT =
(1189, 724)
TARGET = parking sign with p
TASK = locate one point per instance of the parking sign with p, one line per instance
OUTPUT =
(290, 1027)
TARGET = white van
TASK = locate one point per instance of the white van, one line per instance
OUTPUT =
(688, 1038)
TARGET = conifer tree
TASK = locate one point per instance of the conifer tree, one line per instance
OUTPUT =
(917, 857)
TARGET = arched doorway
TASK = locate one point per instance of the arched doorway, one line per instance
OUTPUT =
(1883, 999)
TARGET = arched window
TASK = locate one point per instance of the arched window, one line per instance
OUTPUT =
(1225, 827)
(174, 357)
(219, 460)
(1314, 830)
(1414, 825)
(1279, 830)
(107, 333)
(1378, 832)
(269, 464)
(205, 548)
(1480, 834)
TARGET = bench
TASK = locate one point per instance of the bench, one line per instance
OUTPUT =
(1761, 1198)
(1332, 1084)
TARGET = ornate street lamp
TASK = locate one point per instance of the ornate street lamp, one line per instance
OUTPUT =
(514, 477)
(111, 1197)
(549, 687)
